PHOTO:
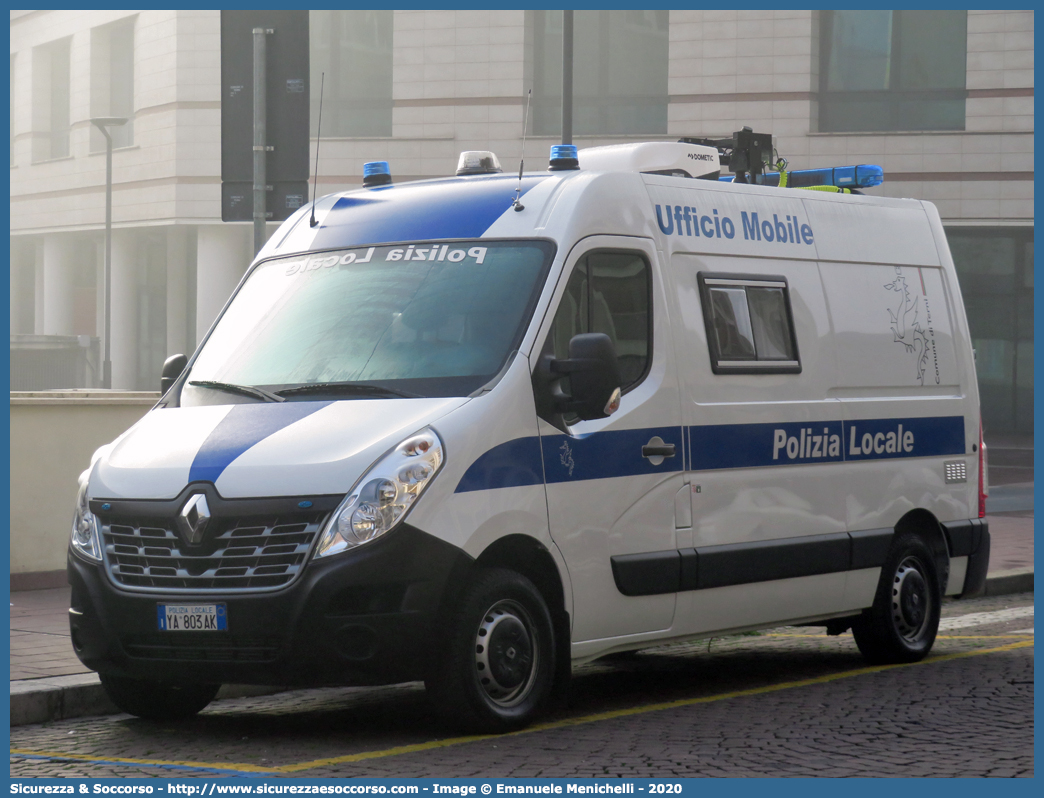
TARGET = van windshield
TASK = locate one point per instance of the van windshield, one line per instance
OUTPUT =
(417, 319)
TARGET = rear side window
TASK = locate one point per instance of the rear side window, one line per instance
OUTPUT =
(750, 329)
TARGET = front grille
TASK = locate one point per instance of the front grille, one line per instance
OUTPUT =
(236, 554)
(260, 649)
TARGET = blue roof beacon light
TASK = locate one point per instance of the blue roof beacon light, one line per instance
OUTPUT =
(376, 173)
(563, 158)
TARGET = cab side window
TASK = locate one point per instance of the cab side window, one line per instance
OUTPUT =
(608, 292)
(749, 324)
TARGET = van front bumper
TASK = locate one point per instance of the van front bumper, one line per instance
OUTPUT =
(366, 616)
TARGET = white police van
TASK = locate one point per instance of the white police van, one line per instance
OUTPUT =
(476, 430)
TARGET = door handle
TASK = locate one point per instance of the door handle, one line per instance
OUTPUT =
(658, 450)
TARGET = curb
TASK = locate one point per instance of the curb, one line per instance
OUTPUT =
(1002, 583)
(57, 698)
(63, 697)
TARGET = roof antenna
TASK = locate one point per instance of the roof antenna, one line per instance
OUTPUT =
(518, 191)
(318, 131)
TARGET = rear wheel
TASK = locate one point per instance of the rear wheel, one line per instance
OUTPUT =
(902, 624)
(497, 662)
(158, 701)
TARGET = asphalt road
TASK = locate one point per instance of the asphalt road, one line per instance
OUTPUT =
(790, 702)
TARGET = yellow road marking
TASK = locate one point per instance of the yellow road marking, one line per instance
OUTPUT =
(557, 724)
(821, 636)
(1021, 636)
(158, 762)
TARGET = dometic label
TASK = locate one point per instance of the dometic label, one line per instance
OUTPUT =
(754, 445)
(685, 220)
(412, 252)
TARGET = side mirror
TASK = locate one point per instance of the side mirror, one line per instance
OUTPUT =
(594, 377)
(172, 368)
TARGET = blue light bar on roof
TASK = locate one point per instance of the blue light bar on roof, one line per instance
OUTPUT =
(862, 176)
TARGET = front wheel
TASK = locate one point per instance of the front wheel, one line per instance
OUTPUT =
(497, 660)
(155, 700)
(902, 624)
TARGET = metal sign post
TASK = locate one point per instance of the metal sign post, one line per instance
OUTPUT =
(264, 116)
(260, 140)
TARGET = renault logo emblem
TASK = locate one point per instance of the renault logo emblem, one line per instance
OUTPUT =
(193, 518)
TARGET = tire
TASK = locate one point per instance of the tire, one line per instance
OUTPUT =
(496, 665)
(155, 700)
(902, 624)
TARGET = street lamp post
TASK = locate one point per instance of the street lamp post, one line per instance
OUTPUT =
(567, 77)
(103, 124)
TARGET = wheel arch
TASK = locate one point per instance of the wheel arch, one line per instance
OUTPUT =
(530, 558)
(526, 556)
(923, 523)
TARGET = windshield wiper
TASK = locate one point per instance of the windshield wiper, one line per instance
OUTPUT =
(355, 388)
(243, 390)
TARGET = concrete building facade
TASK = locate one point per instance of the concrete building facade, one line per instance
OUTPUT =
(943, 103)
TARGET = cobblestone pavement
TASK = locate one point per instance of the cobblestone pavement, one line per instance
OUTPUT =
(790, 702)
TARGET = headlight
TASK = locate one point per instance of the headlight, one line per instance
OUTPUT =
(85, 526)
(384, 494)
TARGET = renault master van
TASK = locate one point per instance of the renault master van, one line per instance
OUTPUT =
(477, 430)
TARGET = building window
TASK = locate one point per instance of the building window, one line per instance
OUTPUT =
(749, 325)
(893, 70)
(995, 270)
(51, 100)
(354, 49)
(619, 72)
(112, 81)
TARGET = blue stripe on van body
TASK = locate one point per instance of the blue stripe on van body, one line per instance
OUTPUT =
(755, 445)
(617, 453)
(245, 426)
(507, 465)
(608, 454)
(752, 445)
(917, 437)
(432, 210)
(602, 455)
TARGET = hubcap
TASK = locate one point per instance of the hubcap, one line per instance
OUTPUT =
(910, 600)
(505, 655)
